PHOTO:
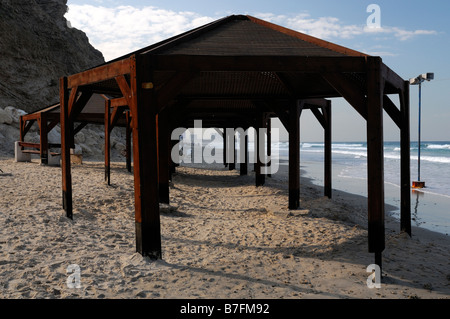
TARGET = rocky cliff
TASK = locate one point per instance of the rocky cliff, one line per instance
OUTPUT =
(37, 47)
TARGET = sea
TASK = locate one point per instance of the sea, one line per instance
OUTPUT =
(430, 206)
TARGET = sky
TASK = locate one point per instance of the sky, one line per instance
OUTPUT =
(413, 38)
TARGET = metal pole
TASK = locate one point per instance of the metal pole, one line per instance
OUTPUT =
(419, 139)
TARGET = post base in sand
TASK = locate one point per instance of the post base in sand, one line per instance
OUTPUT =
(418, 184)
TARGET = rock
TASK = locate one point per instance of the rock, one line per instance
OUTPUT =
(38, 47)
(14, 113)
(5, 117)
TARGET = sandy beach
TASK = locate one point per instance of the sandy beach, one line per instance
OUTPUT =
(221, 238)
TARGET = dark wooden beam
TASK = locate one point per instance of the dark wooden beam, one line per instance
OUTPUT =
(172, 87)
(319, 116)
(392, 78)
(80, 126)
(145, 149)
(108, 142)
(43, 132)
(392, 111)
(260, 178)
(163, 156)
(128, 140)
(65, 148)
(211, 63)
(232, 147)
(349, 91)
(294, 154)
(269, 144)
(405, 161)
(375, 158)
(244, 165)
(26, 128)
(326, 111)
(225, 145)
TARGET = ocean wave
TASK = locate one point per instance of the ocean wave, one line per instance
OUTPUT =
(434, 159)
(439, 146)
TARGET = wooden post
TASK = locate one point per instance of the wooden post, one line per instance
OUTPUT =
(405, 144)
(164, 157)
(224, 136)
(22, 129)
(232, 142)
(108, 142)
(294, 154)
(269, 142)
(260, 150)
(375, 157)
(128, 140)
(43, 129)
(65, 147)
(328, 153)
(144, 110)
(244, 165)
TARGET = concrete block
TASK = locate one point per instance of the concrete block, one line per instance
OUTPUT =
(19, 155)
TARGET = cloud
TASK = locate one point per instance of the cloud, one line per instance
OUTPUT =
(119, 30)
(329, 28)
(123, 29)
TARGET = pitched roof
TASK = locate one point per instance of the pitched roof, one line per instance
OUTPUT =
(244, 35)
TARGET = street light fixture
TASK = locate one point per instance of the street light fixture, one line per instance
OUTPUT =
(418, 81)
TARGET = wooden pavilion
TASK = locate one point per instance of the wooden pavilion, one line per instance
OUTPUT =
(238, 72)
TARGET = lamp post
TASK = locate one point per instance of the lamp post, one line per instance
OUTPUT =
(418, 81)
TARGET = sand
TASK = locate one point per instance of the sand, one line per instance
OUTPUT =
(221, 238)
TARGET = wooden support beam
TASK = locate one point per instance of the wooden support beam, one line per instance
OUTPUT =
(392, 111)
(145, 150)
(319, 116)
(269, 143)
(392, 78)
(375, 158)
(65, 147)
(79, 128)
(128, 140)
(172, 87)
(405, 162)
(26, 129)
(207, 63)
(21, 129)
(260, 152)
(115, 115)
(294, 154)
(43, 132)
(244, 164)
(82, 97)
(125, 89)
(163, 156)
(326, 111)
(108, 142)
(232, 145)
(52, 124)
(349, 91)
(101, 73)
(225, 145)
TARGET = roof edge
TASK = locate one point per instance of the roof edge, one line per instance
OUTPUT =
(325, 44)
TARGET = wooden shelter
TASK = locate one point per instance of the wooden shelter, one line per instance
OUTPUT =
(238, 72)
(94, 112)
